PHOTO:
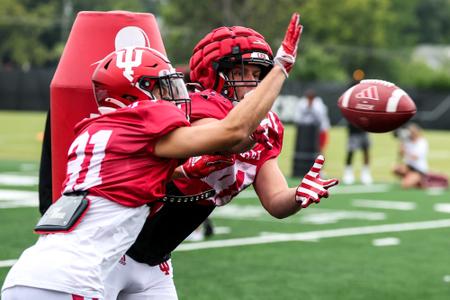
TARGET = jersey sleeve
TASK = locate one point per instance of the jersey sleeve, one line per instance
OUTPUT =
(209, 104)
(159, 118)
(276, 134)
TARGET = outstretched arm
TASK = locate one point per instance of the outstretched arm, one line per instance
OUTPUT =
(243, 119)
(273, 191)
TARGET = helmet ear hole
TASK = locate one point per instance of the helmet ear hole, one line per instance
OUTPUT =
(145, 83)
(107, 64)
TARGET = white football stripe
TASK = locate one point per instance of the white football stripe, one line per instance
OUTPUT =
(346, 97)
(393, 101)
(378, 81)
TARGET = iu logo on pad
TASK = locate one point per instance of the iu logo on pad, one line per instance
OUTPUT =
(165, 268)
(370, 93)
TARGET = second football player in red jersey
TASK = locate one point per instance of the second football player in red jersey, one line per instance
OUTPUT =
(228, 64)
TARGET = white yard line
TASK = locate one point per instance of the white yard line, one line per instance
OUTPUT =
(360, 189)
(303, 236)
(311, 235)
(222, 230)
(442, 207)
(7, 263)
(333, 216)
(18, 180)
(344, 189)
(385, 204)
(388, 241)
(313, 216)
(435, 191)
(16, 198)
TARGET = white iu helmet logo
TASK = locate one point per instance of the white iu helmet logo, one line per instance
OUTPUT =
(126, 61)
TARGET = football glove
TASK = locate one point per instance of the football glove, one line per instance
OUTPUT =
(202, 166)
(287, 52)
(260, 136)
(313, 188)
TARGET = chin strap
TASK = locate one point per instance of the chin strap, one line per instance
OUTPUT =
(110, 105)
(106, 109)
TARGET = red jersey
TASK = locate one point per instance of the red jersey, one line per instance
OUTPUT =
(230, 181)
(112, 154)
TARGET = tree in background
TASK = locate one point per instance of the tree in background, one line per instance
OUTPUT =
(26, 28)
(377, 36)
(34, 31)
(185, 22)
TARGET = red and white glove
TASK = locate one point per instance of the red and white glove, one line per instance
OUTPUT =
(202, 166)
(313, 188)
(260, 136)
(287, 52)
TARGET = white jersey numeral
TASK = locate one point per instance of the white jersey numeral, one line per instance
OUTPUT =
(99, 140)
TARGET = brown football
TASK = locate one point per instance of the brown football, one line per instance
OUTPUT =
(376, 105)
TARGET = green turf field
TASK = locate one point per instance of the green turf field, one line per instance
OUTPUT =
(365, 242)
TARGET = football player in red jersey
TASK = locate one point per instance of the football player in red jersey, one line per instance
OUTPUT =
(121, 161)
(227, 64)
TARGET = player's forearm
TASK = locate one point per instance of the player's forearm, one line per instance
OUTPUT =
(243, 146)
(282, 204)
(247, 115)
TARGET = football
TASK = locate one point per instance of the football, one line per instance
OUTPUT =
(376, 105)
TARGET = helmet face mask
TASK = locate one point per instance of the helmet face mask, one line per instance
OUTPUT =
(135, 74)
(237, 80)
(226, 67)
(169, 87)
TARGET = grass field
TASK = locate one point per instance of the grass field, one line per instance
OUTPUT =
(365, 242)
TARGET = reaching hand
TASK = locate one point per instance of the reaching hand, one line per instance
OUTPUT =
(202, 166)
(313, 188)
(260, 136)
(287, 52)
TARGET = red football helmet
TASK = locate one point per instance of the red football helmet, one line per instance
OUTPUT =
(138, 73)
(224, 48)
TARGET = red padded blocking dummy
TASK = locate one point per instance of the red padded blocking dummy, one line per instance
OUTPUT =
(93, 36)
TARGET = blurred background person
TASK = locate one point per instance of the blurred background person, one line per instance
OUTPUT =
(311, 110)
(358, 139)
(312, 122)
(413, 152)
